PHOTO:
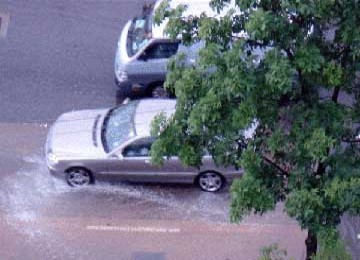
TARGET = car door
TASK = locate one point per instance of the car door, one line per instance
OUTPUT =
(134, 164)
(151, 65)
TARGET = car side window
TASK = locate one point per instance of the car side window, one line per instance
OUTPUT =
(162, 50)
(139, 148)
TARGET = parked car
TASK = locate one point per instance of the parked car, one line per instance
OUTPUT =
(143, 49)
(83, 146)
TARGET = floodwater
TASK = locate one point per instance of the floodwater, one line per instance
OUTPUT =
(31, 199)
(32, 194)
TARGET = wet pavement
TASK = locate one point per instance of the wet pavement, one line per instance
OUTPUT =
(121, 220)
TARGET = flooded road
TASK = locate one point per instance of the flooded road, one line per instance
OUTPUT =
(61, 222)
(33, 188)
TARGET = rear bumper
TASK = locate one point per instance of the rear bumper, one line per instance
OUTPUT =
(230, 177)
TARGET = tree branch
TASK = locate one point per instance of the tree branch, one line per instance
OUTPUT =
(344, 58)
(268, 160)
(335, 94)
(289, 54)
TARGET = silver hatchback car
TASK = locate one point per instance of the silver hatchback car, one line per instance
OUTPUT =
(144, 48)
(84, 146)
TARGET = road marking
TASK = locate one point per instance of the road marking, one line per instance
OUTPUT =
(4, 24)
(358, 236)
(138, 229)
(148, 255)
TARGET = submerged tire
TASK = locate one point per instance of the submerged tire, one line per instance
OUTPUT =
(79, 177)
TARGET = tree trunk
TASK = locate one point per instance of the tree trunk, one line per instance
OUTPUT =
(311, 245)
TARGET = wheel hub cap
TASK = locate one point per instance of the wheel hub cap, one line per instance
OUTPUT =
(210, 182)
(79, 178)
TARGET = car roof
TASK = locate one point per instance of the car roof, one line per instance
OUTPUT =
(146, 111)
(194, 8)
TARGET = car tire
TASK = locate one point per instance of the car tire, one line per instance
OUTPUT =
(158, 91)
(125, 91)
(79, 177)
(210, 181)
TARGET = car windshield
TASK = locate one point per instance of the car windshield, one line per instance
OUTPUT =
(139, 34)
(118, 126)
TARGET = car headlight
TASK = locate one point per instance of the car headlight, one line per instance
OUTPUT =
(121, 73)
(52, 158)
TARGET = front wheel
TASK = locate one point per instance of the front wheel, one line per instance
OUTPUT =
(78, 177)
(210, 181)
(159, 92)
(123, 91)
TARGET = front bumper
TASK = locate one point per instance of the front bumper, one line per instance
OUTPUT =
(50, 167)
(55, 173)
(128, 88)
(122, 83)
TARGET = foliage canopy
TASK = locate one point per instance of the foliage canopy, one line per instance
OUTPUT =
(295, 74)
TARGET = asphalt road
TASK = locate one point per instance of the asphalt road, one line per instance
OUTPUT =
(57, 56)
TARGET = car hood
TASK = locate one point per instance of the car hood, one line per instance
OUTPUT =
(77, 134)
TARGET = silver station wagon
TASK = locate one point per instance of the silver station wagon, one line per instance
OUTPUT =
(88, 145)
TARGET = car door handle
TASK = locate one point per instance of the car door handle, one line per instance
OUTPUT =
(147, 161)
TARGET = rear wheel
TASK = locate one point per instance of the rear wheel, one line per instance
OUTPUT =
(79, 177)
(210, 181)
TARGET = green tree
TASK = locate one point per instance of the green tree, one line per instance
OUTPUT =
(304, 152)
